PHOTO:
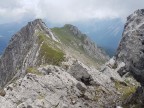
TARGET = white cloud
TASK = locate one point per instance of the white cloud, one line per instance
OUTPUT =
(65, 11)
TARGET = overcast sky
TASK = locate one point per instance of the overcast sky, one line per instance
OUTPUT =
(66, 11)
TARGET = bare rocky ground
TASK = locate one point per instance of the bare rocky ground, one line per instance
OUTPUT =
(42, 70)
(76, 86)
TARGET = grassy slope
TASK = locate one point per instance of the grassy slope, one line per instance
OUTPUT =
(49, 52)
(71, 42)
(67, 37)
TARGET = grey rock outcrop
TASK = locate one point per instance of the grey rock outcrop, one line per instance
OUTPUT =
(22, 51)
(80, 73)
(55, 87)
(131, 48)
(131, 52)
(53, 90)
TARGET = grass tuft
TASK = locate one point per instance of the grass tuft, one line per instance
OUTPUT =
(33, 70)
(126, 91)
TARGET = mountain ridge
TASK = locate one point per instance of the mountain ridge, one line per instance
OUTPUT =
(59, 68)
(37, 56)
(72, 37)
(33, 45)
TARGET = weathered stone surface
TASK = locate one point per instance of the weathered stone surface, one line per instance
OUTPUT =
(58, 89)
(130, 50)
(80, 73)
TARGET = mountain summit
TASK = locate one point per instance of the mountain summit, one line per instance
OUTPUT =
(131, 50)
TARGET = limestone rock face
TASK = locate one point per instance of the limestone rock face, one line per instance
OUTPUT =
(131, 47)
(22, 50)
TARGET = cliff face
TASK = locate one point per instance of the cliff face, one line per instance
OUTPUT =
(22, 51)
(131, 52)
(131, 48)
